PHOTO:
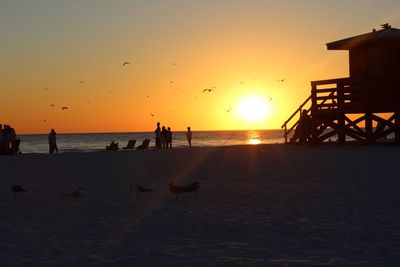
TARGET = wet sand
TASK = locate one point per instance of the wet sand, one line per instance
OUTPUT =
(265, 205)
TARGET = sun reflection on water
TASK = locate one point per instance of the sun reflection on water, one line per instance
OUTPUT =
(253, 138)
(254, 141)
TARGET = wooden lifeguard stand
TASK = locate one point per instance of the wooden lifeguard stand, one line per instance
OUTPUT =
(363, 108)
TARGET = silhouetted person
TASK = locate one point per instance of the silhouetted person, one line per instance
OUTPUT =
(9, 139)
(158, 135)
(2, 141)
(12, 136)
(303, 129)
(52, 142)
(306, 129)
(164, 137)
(189, 136)
(169, 138)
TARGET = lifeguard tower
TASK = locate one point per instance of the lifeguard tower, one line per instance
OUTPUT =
(363, 108)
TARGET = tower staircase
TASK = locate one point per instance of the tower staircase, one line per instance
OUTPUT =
(333, 110)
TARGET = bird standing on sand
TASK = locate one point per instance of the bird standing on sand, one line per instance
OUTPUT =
(140, 188)
(183, 189)
(80, 192)
(73, 194)
(17, 189)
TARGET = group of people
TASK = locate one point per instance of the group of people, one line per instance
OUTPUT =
(8, 140)
(9, 143)
(164, 136)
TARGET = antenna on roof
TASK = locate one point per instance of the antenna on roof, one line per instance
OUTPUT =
(386, 26)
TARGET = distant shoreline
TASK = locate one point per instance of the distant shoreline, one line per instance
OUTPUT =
(283, 146)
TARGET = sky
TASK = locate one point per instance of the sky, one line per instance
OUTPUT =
(70, 54)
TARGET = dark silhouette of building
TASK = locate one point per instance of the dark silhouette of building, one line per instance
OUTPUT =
(364, 107)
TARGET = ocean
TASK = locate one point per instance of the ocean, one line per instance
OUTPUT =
(90, 142)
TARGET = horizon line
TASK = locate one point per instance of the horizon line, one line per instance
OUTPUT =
(151, 131)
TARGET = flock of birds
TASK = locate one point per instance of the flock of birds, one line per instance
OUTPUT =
(126, 63)
(81, 191)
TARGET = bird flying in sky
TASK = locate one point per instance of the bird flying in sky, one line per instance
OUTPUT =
(64, 108)
(208, 89)
(52, 105)
(281, 80)
(125, 63)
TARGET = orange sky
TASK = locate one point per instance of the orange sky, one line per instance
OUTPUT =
(175, 50)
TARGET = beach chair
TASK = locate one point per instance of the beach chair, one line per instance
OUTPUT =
(144, 145)
(131, 144)
(113, 146)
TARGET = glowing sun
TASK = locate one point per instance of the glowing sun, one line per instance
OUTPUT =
(253, 108)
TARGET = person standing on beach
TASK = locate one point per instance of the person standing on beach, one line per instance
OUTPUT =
(164, 136)
(189, 136)
(158, 135)
(52, 142)
(169, 138)
(2, 140)
(13, 141)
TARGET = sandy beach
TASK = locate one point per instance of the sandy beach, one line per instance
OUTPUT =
(265, 205)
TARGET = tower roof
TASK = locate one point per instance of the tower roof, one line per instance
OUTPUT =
(374, 36)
